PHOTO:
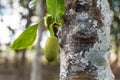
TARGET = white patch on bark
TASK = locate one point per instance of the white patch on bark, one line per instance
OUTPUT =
(63, 67)
(99, 54)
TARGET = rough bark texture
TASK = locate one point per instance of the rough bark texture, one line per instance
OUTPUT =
(84, 41)
(36, 67)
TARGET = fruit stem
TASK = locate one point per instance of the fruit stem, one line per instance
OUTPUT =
(40, 20)
(51, 31)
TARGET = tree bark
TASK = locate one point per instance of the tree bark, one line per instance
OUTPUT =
(85, 40)
(36, 67)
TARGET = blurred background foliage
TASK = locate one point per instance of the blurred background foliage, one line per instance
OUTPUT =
(15, 16)
(115, 38)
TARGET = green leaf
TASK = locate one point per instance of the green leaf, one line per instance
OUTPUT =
(26, 39)
(56, 8)
(60, 9)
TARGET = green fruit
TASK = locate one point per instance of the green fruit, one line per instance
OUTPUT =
(51, 49)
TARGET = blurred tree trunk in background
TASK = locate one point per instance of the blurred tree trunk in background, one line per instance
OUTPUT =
(85, 40)
(115, 32)
(116, 64)
(22, 64)
(36, 67)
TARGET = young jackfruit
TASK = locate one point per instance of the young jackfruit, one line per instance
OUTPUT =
(51, 49)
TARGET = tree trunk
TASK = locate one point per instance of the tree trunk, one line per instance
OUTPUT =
(84, 40)
(22, 64)
(36, 67)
